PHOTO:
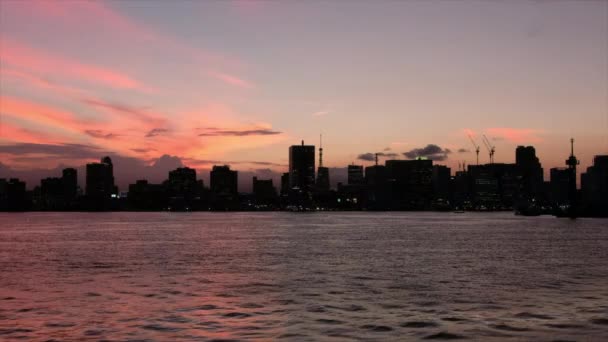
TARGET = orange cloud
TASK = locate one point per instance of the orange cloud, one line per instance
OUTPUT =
(38, 113)
(14, 133)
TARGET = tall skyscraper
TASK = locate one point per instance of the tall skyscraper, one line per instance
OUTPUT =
(100, 179)
(355, 174)
(530, 171)
(224, 181)
(69, 179)
(594, 187)
(182, 183)
(411, 182)
(302, 167)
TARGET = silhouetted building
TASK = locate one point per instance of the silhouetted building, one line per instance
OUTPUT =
(441, 181)
(377, 187)
(145, 196)
(100, 179)
(530, 171)
(285, 184)
(69, 181)
(224, 181)
(559, 186)
(355, 174)
(483, 187)
(182, 183)
(411, 183)
(594, 187)
(302, 167)
(264, 191)
(13, 196)
(51, 194)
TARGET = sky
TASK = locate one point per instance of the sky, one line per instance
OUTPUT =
(159, 84)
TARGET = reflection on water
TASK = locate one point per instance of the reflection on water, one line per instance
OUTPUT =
(239, 276)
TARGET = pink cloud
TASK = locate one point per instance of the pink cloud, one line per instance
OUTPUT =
(22, 57)
(515, 135)
(42, 114)
(230, 79)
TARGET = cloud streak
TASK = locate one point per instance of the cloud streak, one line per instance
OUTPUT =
(215, 132)
(27, 58)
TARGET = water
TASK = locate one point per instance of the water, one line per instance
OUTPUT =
(273, 276)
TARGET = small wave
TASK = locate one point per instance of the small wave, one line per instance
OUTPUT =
(564, 325)
(251, 306)
(444, 336)
(376, 328)
(60, 325)
(236, 314)
(15, 331)
(454, 319)
(508, 327)
(419, 324)
(93, 332)
(9, 298)
(92, 294)
(172, 292)
(329, 321)
(600, 321)
(354, 308)
(176, 319)
(527, 315)
(161, 328)
(316, 308)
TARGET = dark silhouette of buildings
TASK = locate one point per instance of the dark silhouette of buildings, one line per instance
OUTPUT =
(224, 181)
(101, 193)
(411, 184)
(69, 180)
(285, 184)
(56, 193)
(376, 179)
(572, 162)
(264, 192)
(13, 196)
(301, 175)
(559, 186)
(397, 185)
(355, 174)
(441, 181)
(100, 179)
(322, 185)
(530, 171)
(224, 188)
(183, 188)
(148, 197)
(302, 167)
(594, 188)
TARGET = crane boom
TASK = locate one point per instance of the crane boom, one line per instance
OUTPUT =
(476, 147)
(491, 148)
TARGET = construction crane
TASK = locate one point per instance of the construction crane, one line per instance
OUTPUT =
(476, 147)
(491, 149)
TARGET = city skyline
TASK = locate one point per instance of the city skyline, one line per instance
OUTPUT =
(84, 79)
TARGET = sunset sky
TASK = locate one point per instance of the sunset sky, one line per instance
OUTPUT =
(209, 82)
